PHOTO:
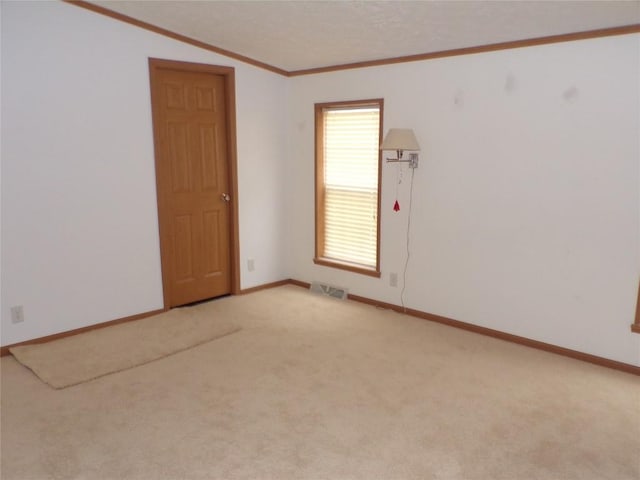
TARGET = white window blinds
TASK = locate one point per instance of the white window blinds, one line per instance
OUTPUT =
(351, 153)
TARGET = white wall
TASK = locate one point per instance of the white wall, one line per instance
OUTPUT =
(526, 204)
(525, 211)
(79, 220)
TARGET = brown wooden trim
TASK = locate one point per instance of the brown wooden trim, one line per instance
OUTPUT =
(547, 347)
(377, 303)
(326, 262)
(531, 42)
(161, 206)
(636, 324)
(566, 352)
(265, 286)
(319, 180)
(379, 226)
(319, 258)
(367, 102)
(173, 35)
(567, 37)
(228, 73)
(56, 336)
(299, 283)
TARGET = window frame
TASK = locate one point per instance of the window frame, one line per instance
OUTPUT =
(319, 258)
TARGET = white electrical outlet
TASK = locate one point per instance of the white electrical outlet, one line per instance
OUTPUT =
(17, 314)
(251, 265)
(393, 279)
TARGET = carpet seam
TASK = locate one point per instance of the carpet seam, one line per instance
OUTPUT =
(238, 329)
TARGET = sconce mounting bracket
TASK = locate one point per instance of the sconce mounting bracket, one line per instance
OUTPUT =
(412, 160)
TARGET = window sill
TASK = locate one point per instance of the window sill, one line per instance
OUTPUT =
(351, 267)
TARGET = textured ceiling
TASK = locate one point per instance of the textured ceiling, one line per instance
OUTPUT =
(296, 35)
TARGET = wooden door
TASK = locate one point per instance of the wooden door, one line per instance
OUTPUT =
(194, 190)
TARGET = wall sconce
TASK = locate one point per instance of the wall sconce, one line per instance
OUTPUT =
(400, 139)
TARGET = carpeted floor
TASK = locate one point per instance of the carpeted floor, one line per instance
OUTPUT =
(316, 388)
(78, 358)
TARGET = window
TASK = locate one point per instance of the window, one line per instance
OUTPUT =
(348, 185)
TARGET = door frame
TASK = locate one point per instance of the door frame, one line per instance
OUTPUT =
(156, 64)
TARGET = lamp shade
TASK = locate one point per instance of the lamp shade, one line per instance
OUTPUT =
(400, 139)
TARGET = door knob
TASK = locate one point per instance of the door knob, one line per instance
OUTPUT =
(225, 197)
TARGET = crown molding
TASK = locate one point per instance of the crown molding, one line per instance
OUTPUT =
(174, 35)
(567, 37)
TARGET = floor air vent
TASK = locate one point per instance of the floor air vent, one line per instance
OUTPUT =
(329, 290)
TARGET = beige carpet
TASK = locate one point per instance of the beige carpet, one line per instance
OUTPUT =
(86, 356)
(313, 388)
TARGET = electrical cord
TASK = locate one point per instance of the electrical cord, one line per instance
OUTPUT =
(406, 262)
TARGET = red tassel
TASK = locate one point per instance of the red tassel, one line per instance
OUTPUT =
(396, 206)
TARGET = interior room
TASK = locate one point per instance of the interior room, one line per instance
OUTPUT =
(519, 228)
